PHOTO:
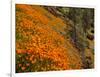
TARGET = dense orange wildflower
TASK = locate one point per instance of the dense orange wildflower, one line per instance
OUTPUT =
(36, 38)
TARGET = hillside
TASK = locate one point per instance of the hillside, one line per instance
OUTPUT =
(42, 43)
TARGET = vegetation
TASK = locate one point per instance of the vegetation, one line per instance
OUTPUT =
(52, 38)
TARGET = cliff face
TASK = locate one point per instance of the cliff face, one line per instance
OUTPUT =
(47, 39)
(80, 32)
